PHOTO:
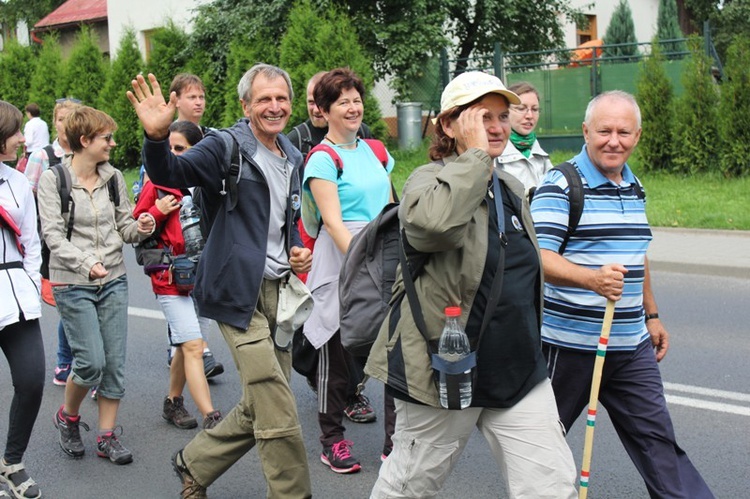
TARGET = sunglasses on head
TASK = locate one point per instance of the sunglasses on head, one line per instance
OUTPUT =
(68, 99)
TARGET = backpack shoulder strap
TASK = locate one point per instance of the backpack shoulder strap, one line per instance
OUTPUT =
(575, 197)
(332, 153)
(63, 181)
(305, 139)
(52, 158)
(114, 192)
(234, 160)
(379, 149)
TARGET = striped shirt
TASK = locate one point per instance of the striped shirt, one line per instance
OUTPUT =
(613, 229)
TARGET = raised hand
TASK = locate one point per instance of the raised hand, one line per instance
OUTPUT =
(154, 112)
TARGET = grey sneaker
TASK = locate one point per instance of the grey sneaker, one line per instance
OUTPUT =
(190, 488)
(176, 414)
(211, 368)
(110, 447)
(211, 420)
(70, 433)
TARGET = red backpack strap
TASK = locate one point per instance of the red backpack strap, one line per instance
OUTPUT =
(332, 153)
(379, 149)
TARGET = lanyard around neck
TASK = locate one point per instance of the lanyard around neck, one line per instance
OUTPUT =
(498, 195)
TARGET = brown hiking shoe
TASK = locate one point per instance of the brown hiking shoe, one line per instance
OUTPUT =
(190, 488)
(176, 414)
(212, 419)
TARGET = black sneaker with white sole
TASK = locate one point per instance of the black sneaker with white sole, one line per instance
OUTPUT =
(211, 367)
(109, 446)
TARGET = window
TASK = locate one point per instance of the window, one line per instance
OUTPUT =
(586, 32)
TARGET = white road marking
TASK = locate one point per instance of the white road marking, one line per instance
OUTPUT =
(708, 392)
(146, 313)
(711, 406)
(743, 408)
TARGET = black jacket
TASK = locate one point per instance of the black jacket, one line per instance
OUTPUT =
(230, 271)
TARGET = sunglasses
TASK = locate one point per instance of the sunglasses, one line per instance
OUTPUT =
(107, 137)
(68, 99)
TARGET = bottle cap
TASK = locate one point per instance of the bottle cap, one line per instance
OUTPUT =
(453, 311)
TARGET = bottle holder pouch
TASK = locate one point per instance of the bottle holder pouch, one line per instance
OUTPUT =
(453, 372)
(183, 273)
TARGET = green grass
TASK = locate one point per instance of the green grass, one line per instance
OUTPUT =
(706, 201)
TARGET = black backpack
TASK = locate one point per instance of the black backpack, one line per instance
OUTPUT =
(67, 205)
(575, 197)
(367, 276)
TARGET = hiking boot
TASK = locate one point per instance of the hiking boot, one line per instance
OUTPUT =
(190, 488)
(176, 414)
(359, 410)
(211, 368)
(211, 420)
(18, 481)
(61, 375)
(339, 458)
(70, 433)
(109, 446)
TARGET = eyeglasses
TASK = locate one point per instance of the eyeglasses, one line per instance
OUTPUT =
(179, 148)
(107, 137)
(523, 109)
(68, 99)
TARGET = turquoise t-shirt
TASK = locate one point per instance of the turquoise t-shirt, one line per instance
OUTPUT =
(364, 186)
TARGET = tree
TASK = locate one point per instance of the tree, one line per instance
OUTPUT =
(168, 56)
(731, 21)
(668, 25)
(734, 110)
(696, 130)
(621, 30)
(654, 95)
(318, 40)
(112, 100)
(31, 11)
(85, 69)
(47, 77)
(16, 66)
(398, 35)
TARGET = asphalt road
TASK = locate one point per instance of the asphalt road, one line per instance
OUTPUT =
(706, 375)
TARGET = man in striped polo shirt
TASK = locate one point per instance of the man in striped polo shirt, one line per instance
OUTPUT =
(605, 258)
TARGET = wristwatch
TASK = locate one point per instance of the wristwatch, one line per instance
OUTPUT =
(652, 316)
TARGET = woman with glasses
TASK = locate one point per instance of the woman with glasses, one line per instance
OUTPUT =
(20, 308)
(88, 277)
(186, 329)
(523, 157)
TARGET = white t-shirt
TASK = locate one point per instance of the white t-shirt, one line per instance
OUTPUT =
(36, 134)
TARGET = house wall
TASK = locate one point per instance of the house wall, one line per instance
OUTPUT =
(68, 38)
(145, 15)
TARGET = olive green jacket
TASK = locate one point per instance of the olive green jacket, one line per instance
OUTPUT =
(444, 213)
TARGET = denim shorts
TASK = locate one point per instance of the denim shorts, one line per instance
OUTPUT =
(95, 319)
(182, 317)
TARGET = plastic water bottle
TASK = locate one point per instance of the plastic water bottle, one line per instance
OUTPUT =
(454, 346)
(136, 189)
(191, 230)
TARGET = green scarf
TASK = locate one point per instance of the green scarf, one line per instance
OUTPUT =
(523, 142)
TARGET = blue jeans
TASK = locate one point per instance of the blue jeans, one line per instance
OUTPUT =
(96, 325)
(64, 355)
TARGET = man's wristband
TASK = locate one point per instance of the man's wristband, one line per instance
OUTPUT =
(652, 316)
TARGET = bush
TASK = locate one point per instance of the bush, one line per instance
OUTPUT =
(168, 56)
(85, 69)
(654, 95)
(734, 110)
(47, 78)
(696, 131)
(113, 101)
(318, 40)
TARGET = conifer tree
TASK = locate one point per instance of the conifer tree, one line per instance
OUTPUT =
(734, 122)
(85, 69)
(113, 101)
(668, 26)
(621, 29)
(696, 129)
(654, 96)
(323, 39)
(16, 68)
(168, 56)
(47, 79)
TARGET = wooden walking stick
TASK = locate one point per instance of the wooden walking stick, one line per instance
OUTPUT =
(588, 443)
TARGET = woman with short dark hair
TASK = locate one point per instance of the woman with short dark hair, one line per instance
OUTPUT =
(20, 307)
